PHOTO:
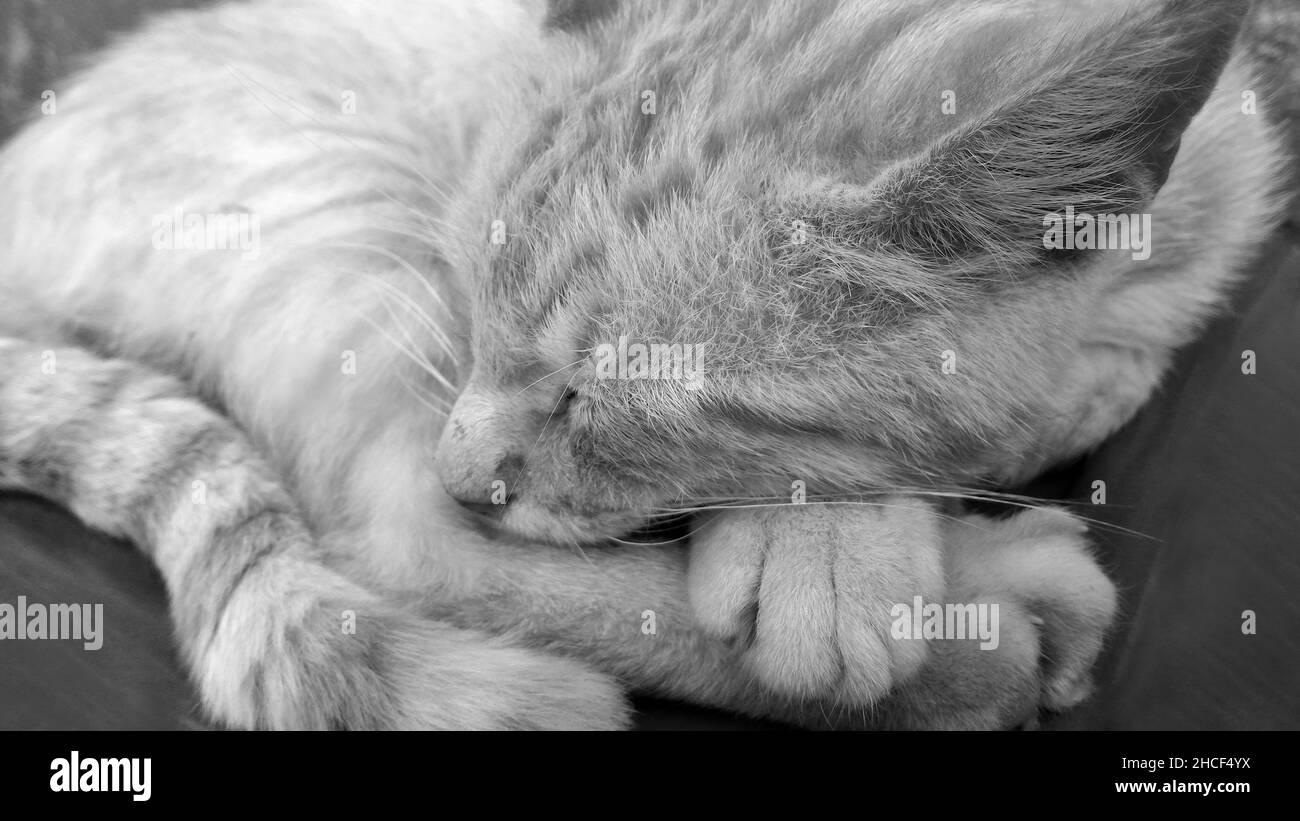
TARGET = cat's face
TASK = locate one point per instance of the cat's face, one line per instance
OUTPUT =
(839, 283)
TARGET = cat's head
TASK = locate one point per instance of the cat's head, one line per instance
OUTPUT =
(825, 224)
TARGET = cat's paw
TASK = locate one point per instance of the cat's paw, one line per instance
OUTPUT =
(502, 687)
(1054, 605)
(1041, 558)
(808, 592)
(274, 663)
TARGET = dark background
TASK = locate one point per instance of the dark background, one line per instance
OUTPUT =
(1205, 484)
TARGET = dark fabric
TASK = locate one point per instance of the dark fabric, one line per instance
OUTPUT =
(42, 41)
(1207, 478)
(134, 681)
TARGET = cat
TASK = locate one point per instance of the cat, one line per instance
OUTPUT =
(368, 451)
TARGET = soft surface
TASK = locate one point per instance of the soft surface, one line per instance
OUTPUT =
(1206, 477)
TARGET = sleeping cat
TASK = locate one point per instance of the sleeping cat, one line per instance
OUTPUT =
(368, 447)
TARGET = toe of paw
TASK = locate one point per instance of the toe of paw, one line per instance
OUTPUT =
(798, 670)
(1062, 693)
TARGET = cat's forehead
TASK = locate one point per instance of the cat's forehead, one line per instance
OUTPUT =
(872, 79)
(670, 91)
(710, 105)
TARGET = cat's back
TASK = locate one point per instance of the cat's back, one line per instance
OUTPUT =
(296, 111)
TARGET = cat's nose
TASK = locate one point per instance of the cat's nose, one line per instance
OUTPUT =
(486, 493)
(477, 460)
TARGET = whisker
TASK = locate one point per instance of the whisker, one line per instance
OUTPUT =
(421, 317)
(406, 266)
(1011, 500)
(434, 188)
(788, 503)
(544, 378)
(415, 356)
(422, 396)
(401, 326)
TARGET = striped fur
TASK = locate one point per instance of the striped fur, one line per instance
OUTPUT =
(325, 488)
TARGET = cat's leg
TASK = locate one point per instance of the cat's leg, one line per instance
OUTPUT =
(271, 636)
(830, 602)
(627, 610)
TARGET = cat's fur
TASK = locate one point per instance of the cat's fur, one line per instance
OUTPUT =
(824, 356)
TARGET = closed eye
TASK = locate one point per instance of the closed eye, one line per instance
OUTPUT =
(566, 400)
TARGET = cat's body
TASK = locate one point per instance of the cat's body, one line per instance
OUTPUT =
(374, 239)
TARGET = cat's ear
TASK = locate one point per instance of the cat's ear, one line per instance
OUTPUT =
(1098, 133)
